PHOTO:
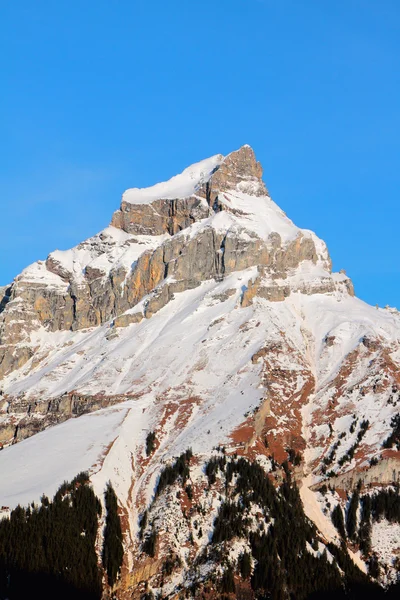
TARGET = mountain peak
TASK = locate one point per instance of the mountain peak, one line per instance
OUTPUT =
(173, 205)
(239, 171)
(239, 165)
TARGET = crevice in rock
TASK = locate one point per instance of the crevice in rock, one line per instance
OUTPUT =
(74, 311)
(5, 299)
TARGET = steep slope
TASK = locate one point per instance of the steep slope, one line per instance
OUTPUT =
(203, 314)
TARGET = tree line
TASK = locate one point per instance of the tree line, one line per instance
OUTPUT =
(48, 550)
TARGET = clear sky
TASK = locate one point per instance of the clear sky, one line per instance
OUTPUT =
(100, 95)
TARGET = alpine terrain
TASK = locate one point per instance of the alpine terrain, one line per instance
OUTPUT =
(231, 407)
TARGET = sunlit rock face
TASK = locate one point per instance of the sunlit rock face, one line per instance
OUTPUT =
(151, 239)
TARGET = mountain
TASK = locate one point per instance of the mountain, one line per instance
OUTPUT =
(202, 318)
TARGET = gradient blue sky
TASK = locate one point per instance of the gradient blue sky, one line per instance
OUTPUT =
(98, 96)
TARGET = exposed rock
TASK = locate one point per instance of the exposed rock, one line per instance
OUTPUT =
(240, 170)
(249, 292)
(225, 295)
(13, 357)
(274, 292)
(127, 319)
(7, 433)
(96, 298)
(56, 267)
(277, 347)
(161, 216)
(370, 343)
(144, 573)
(329, 340)
(24, 418)
(387, 471)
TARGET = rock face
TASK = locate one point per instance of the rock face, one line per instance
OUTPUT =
(218, 323)
(159, 217)
(95, 282)
(239, 171)
(30, 417)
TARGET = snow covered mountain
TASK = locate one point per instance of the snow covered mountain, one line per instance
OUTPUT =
(204, 315)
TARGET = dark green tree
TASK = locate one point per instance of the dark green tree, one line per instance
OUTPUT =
(351, 516)
(150, 443)
(364, 533)
(48, 551)
(113, 551)
(245, 565)
(227, 581)
(338, 520)
(149, 544)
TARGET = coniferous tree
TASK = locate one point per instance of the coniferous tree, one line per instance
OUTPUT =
(245, 565)
(113, 551)
(227, 581)
(338, 520)
(386, 503)
(48, 551)
(178, 470)
(150, 443)
(351, 517)
(364, 534)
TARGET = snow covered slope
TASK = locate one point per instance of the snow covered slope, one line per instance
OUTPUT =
(181, 186)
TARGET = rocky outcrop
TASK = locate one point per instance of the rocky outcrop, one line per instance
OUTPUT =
(386, 471)
(127, 319)
(180, 263)
(161, 216)
(239, 170)
(23, 418)
(12, 358)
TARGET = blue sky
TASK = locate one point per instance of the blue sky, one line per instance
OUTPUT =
(99, 96)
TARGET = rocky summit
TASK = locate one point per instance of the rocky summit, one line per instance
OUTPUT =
(197, 346)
